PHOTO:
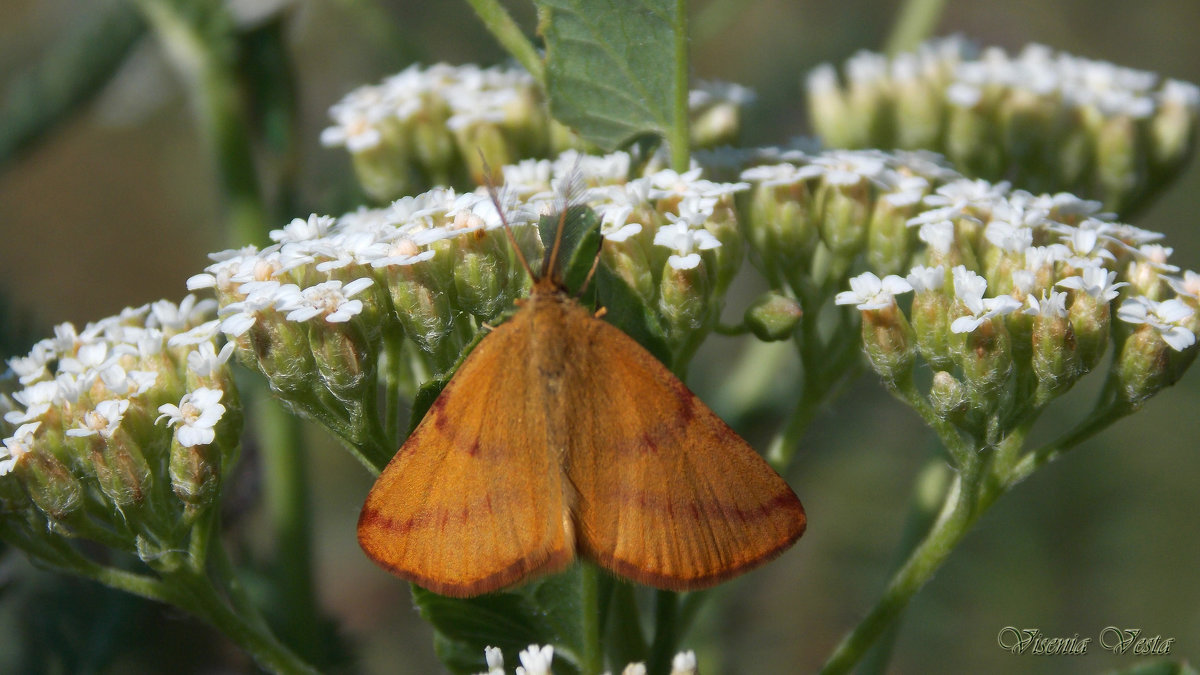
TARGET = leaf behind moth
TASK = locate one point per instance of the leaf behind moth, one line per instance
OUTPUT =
(609, 66)
(546, 611)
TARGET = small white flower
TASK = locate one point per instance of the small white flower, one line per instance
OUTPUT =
(868, 291)
(1055, 305)
(969, 288)
(300, 229)
(104, 420)
(37, 399)
(536, 660)
(195, 416)
(1095, 281)
(495, 660)
(684, 240)
(638, 668)
(1189, 285)
(684, 663)
(939, 236)
(1167, 317)
(924, 279)
(329, 299)
(201, 334)
(205, 360)
(17, 446)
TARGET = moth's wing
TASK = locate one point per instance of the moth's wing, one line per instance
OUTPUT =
(668, 494)
(473, 501)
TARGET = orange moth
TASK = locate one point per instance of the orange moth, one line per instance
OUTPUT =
(560, 436)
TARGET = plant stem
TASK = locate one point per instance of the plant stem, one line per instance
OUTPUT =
(963, 506)
(199, 597)
(666, 634)
(916, 21)
(285, 496)
(679, 138)
(506, 31)
(593, 653)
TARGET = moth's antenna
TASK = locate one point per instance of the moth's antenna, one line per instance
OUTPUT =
(570, 190)
(494, 195)
(592, 271)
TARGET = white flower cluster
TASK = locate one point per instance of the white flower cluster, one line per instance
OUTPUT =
(1080, 82)
(319, 264)
(536, 660)
(1029, 246)
(471, 94)
(84, 381)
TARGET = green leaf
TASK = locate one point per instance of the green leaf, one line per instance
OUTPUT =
(580, 243)
(544, 612)
(626, 310)
(614, 70)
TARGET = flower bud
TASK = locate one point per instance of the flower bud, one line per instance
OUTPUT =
(773, 317)
(1055, 357)
(827, 108)
(986, 361)
(888, 342)
(684, 302)
(844, 212)
(1173, 130)
(50, 485)
(1120, 161)
(948, 397)
(195, 476)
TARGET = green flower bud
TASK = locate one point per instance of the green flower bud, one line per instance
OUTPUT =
(931, 316)
(888, 342)
(970, 139)
(844, 212)
(195, 476)
(627, 259)
(424, 303)
(1120, 161)
(685, 304)
(482, 274)
(344, 360)
(1142, 367)
(919, 103)
(1090, 318)
(1172, 134)
(986, 361)
(773, 317)
(778, 220)
(121, 469)
(384, 170)
(1055, 357)
(50, 485)
(889, 238)
(828, 110)
(948, 397)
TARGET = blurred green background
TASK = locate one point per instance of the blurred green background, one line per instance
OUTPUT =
(119, 206)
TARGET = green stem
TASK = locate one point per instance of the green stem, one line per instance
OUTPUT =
(285, 497)
(1098, 421)
(199, 39)
(929, 494)
(589, 606)
(917, 21)
(678, 135)
(200, 598)
(623, 634)
(506, 31)
(961, 510)
(666, 633)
